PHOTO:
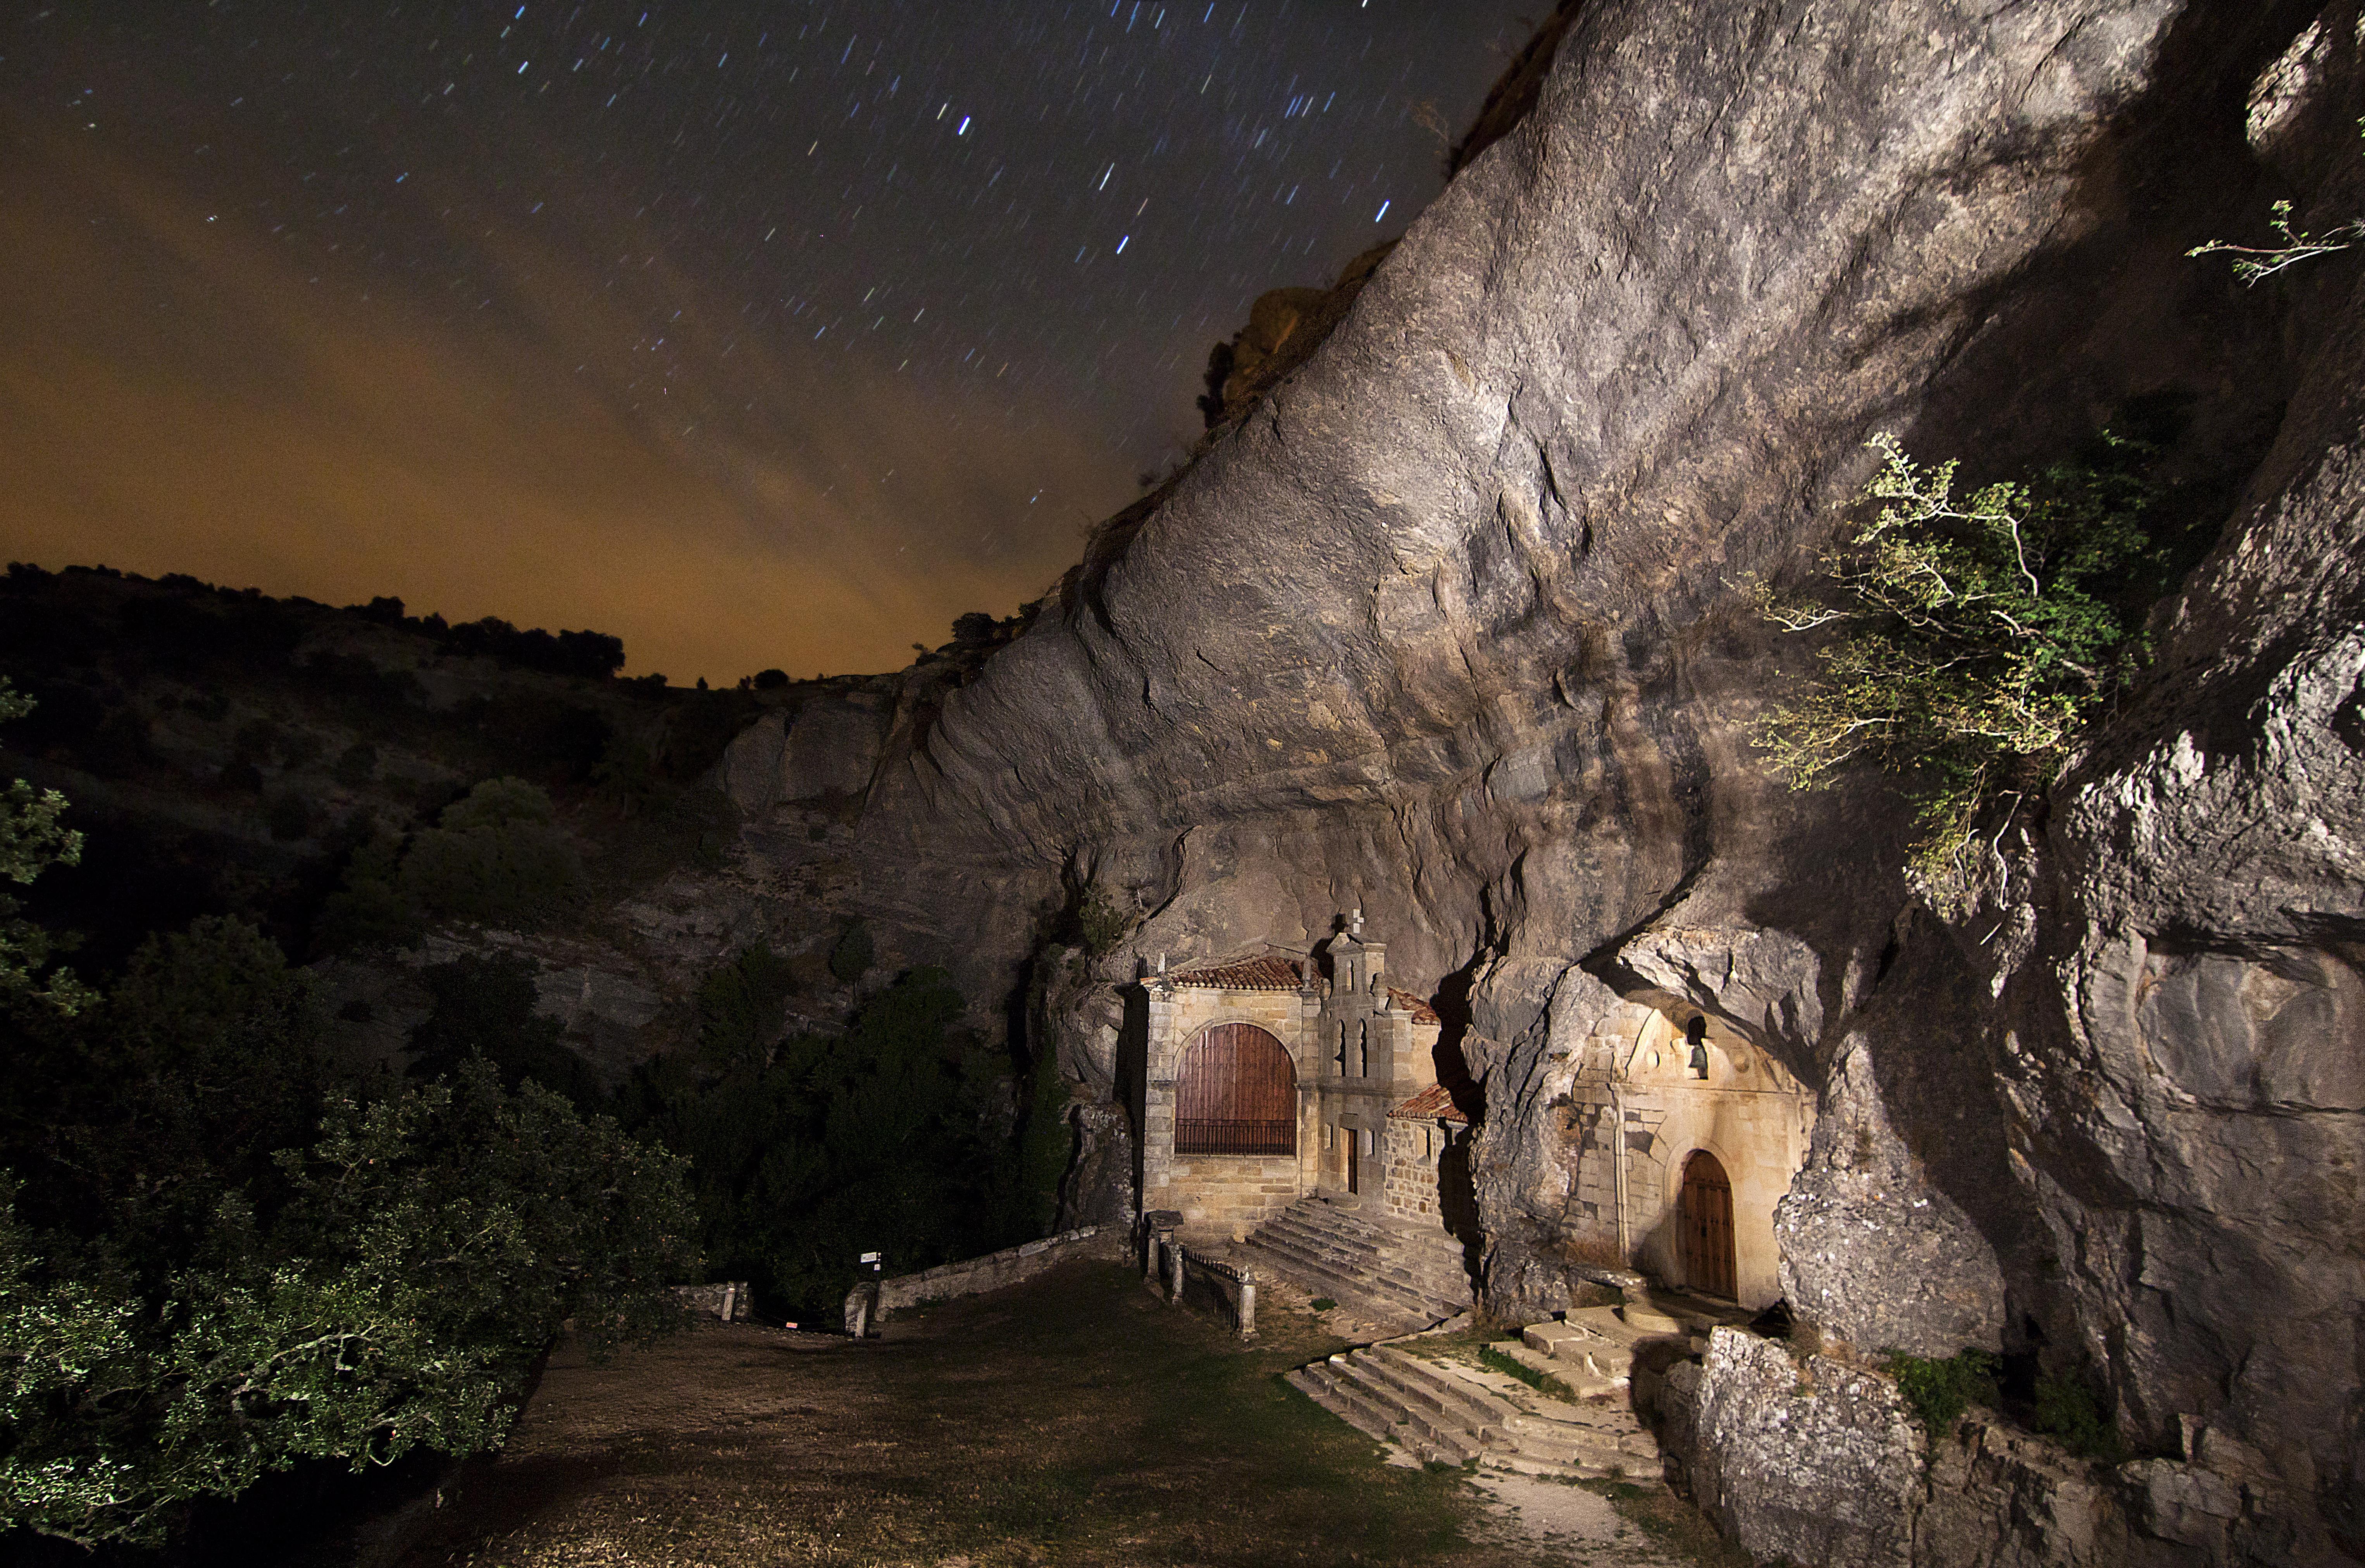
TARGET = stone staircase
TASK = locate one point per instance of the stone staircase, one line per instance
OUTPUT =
(1412, 1275)
(1444, 1410)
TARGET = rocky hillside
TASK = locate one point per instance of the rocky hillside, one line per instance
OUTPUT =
(1457, 623)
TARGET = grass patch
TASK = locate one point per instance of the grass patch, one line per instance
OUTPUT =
(1543, 1382)
(1323, 1304)
(1076, 1419)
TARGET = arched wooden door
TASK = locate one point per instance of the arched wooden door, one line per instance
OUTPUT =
(1704, 1214)
(1237, 1093)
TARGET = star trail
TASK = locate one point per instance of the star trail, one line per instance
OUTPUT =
(760, 334)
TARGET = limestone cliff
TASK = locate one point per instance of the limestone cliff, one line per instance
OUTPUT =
(1455, 625)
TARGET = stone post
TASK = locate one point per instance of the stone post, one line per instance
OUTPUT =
(1247, 1305)
(1174, 1267)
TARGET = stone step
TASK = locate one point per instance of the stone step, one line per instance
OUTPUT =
(1445, 1399)
(1345, 1399)
(1324, 1281)
(1420, 1387)
(1448, 1412)
(1589, 1365)
(1431, 1425)
(1419, 1270)
(1332, 1274)
(1429, 1251)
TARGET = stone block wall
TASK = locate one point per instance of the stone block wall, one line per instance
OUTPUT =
(1409, 1179)
(730, 1300)
(1222, 1193)
(971, 1276)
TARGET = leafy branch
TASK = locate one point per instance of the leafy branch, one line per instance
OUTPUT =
(1975, 644)
(2255, 263)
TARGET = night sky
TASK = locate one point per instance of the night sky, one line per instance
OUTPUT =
(761, 335)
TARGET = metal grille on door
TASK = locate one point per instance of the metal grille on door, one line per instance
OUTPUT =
(1237, 1094)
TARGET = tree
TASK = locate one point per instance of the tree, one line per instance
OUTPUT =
(497, 855)
(1977, 639)
(216, 1261)
(33, 838)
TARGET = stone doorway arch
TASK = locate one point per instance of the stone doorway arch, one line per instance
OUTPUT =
(1704, 1214)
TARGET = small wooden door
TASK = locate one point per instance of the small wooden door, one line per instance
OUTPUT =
(1705, 1215)
(1354, 1158)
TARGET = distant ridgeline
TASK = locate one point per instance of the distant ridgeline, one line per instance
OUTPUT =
(237, 753)
(592, 654)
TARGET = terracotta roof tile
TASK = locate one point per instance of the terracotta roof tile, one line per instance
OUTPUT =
(1434, 1103)
(1265, 973)
(1406, 1001)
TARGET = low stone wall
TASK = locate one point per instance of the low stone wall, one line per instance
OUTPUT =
(1231, 1291)
(729, 1301)
(1820, 1460)
(868, 1305)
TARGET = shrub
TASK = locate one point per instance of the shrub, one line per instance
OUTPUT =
(356, 765)
(33, 838)
(485, 1007)
(854, 955)
(289, 816)
(496, 855)
(369, 908)
(429, 1247)
(1979, 638)
(1099, 922)
(739, 1010)
(771, 680)
(1939, 1391)
(2068, 1409)
(213, 1264)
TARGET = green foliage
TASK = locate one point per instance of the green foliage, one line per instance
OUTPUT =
(214, 1263)
(289, 816)
(497, 855)
(739, 1010)
(369, 908)
(1045, 1145)
(1322, 1303)
(896, 1136)
(356, 765)
(854, 955)
(33, 838)
(1541, 1382)
(625, 777)
(484, 1007)
(1939, 1392)
(2256, 263)
(1100, 925)
(2068, 1410)
(1980, 640)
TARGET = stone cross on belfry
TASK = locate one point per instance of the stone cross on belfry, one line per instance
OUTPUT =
(1356, 928)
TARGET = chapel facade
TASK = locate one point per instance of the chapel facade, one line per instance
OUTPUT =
(1267, 1081)
(1680, 1136)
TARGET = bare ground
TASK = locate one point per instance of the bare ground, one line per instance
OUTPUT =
(1076, 1419)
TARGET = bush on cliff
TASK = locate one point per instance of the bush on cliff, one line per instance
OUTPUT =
(1979, 638)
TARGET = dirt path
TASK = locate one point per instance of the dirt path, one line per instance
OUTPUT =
(1074, 1420)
